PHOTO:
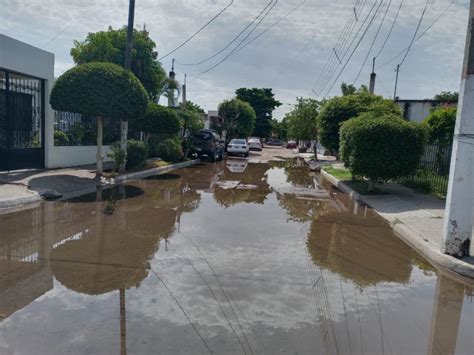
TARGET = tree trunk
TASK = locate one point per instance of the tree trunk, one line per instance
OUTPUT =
(123, 143)
(371, 185)
(100, 129)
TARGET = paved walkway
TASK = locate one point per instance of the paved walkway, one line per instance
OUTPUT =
(416, 218)
(21, 187)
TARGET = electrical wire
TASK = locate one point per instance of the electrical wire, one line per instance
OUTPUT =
(332, 60)
(373, 43)
(357, 44)
(232, 41)
(271, 26)
(198, 31)
(353, 51)
(391, 30)
(421, 34)
(416, 32)
(354, 38)
(238, 45)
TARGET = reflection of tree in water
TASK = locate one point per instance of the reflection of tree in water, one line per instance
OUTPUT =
(296, 172)
(364, 250)
(252, 186)
(303, 208)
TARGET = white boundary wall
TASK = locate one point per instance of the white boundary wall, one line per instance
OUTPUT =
(25, 59)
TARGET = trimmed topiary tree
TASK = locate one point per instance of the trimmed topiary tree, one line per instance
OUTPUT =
(159, 120)
(342, 108)
(381, 148)
(100, 90)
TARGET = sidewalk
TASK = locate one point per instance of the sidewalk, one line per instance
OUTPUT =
(415, 218)
(22, 187)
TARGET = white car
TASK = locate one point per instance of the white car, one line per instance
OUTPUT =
(236, 165)
(254, 143)
(238, 147)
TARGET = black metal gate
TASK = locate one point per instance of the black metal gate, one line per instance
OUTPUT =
(21, 121)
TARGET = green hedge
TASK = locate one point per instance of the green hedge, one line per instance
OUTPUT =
(169, 149)
(137, 153)
(381, 148)
(160, 120)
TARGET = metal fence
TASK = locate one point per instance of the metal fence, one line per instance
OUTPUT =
(73, 129)
(432, 174)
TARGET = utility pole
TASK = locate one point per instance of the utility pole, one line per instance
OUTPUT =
(171, 85)
(372, 77)
(128, 66)
(457, 228)
(396, 83)
(184, 89)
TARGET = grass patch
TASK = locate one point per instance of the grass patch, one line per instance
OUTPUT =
(361, 186)
(340, 173)
(156, 164)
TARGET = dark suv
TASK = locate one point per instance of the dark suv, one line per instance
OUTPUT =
(206, 142)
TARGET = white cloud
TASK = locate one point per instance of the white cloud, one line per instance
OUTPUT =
(433, 65)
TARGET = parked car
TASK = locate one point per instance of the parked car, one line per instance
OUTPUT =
(254, 143)
(238, 147)
(291, 145)
(207, 143)
(275, 142)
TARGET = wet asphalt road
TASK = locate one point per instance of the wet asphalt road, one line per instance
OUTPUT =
(237, 257)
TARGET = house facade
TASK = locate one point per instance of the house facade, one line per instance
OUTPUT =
(27, 121)
(418, 110)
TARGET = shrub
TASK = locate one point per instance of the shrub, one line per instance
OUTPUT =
(168, 149)
(382, 148)
(117, 154)
(342, 108)
(60, 138)
(137, 152)
(159, 120)
(440, 125)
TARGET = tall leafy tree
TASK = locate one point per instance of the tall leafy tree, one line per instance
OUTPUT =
(303, 120)
(109, 46)
(447, 96)
(238, 118)
(342, 108)
(263, 102)
(192, 120)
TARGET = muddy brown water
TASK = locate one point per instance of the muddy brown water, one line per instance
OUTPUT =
(226, 258)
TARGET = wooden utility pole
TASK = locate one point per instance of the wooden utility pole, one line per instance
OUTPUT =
(457, 229)
(128, 66)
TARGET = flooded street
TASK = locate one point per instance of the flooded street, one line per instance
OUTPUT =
(237, 257)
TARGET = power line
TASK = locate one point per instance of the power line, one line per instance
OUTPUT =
(352, 41)
(345, 35)
(391, 30)
(416, 32)
(239, 44)
(198, 31)
(421, 34)
(232, 41)
(271, 26)
(355, 48)
(373, 43)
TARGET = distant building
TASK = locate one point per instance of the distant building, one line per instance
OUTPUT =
(418, 110)
(212, 119)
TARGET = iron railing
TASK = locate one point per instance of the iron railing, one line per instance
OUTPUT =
(432, 174)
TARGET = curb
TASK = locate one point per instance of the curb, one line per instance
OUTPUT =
(410, 237)
(23, 200)
(155, 171)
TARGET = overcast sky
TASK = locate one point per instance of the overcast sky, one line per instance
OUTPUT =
(288, 58)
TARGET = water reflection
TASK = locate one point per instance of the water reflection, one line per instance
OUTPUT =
(363, 284)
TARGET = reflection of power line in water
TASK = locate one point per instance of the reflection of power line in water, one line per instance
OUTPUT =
(221, 287)
(182, 310)
(328, 333)
(214, 296)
